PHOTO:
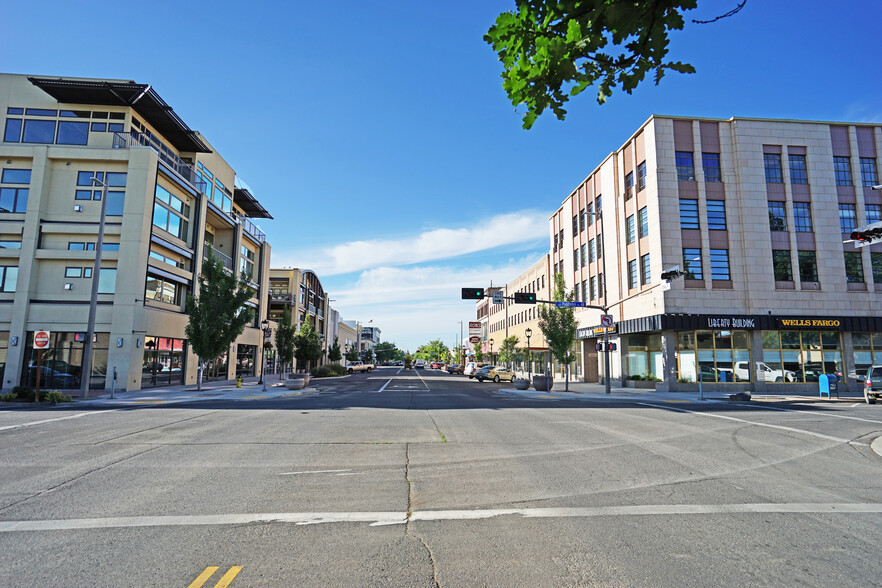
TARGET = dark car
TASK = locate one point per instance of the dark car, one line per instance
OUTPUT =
(873, 384)
(50, 378)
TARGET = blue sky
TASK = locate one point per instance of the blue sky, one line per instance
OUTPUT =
(379, 137)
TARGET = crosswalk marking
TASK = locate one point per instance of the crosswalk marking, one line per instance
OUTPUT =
(209, 572)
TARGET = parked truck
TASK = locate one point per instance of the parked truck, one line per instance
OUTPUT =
(360, 366)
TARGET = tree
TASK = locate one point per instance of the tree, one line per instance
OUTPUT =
(559, 326)
(368, 355)
(334, 352)
(352, 354)
(434, 350)
(508, 352)
(385, 351)
(554, 49)
(218, 314)
(307, 347)
(479, 355)
(284, 341)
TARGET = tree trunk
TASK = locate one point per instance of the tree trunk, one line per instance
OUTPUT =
(199, 371)
(567, 380)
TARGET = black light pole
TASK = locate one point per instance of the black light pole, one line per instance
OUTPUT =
(265, 325)
(86, 374)
(528, 333)
(491, 352)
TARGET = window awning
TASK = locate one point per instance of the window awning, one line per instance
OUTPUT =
(244, 199)
(141, 97)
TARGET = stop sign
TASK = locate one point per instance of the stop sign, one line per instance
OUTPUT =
(41, 339)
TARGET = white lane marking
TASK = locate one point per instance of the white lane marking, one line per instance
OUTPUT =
(728, 418)
(313, 472)
(64, 418)
(824, 414)
(399, 518)
(384, 385)
(856, 404)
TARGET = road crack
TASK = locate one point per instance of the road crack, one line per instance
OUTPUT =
(407, 529)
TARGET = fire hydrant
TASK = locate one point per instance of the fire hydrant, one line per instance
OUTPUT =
(238, 382)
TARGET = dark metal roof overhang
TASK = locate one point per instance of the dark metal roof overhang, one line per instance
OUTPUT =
(245, 200)
(141, 97)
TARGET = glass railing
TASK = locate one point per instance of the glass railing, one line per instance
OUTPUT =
(225, 259)
(249, 227)
(126, 140)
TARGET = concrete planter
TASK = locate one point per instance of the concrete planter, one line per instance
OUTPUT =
(642, 384)
(297, 381)
(543, 383)
(521, 384)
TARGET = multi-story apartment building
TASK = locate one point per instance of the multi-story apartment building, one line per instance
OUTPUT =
(301, 291)
(757, 214)
(170, 200)
(510, 319)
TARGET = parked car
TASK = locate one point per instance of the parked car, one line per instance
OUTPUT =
(499, 374)
(469, 369)
(454, 369)
(769, 374)
(873, 384)
(419, 363)
(483, 373)
(358, 366)
(50, 378)
(437, 365)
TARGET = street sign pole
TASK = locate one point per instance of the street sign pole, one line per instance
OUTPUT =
(606, 382)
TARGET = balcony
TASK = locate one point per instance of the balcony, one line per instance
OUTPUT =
(225, 259)
(249, 227)
(127, 140)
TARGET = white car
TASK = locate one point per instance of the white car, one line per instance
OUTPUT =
(742, 372)
(469, 369)
(419, 364)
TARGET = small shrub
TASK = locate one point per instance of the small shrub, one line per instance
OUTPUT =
(328, 371)
(9, 397)
(636, 377)
(647, 375)
(23, 392)
(55, 397)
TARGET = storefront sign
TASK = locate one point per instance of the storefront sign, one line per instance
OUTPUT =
(730, 322)
(591, 332)
(812, 323)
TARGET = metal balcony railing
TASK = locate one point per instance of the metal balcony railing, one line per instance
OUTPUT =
(127, 140)
(249, 227)
(225, 259)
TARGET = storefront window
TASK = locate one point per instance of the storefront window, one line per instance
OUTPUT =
(867, 352)
(719, 356)
(61, 365)
(645, 356)
(245, 355)
(163, 362)
(800, 356)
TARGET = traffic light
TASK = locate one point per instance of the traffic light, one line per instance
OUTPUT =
(867, 236)
(525, 298)
(671, 273)
(599, 347)
(472, 293)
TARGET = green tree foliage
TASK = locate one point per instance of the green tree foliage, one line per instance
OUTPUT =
(479, 355)
(334, 353)
(559, 325)
(307, 347)
(508, 351)
(352, 354)
(218, 314)
(434, 350)
(386, 351)
(554, 49)
(368, 355)
(285, 339)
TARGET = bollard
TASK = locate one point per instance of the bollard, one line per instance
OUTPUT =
(238, 382)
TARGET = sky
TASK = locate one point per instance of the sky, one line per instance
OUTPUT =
(378, 135)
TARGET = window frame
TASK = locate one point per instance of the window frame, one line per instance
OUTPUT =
(773, 169)
(716, 215)
(710, 164)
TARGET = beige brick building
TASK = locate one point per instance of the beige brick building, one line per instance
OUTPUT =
(754, 212)
(171, 199)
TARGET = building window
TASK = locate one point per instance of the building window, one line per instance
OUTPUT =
(575, 225)
(592, 288)
(713, 356)
(246, 263)
(554, 250)
(642, 222)
(685, 166)
(87, 190)
(599, 247)
(782, 266)
(629, 184)
(874, 213)
(777, 216)
(161, 290)
(772, 162)
(107, 280)
(632, 274)
(847, 218)
(584, 297)
(4, 244)
(630, 231)
(8, 278)
(692, 264)
(869, 177)
(797, 356)
(710, 162)
(876, 262)
(842, 171)
(171, 214)
(576, 259)
(581, 220)
(589, 212)
(13, 197)
(802, 217)
(716, 215)
(798, 169)
(641, 176)
(688, 213)
(584, 255)
(645, 277)
(719, 263)
(808, 266)
(854, 269)
(591, 251)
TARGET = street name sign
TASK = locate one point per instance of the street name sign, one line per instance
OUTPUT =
(569, 304)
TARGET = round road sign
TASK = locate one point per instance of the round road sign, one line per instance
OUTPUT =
(41, 339)
(474, 339)
(606, 320)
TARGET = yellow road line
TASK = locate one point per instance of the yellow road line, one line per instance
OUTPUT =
(148, 401)
(203, 577)
(228, 577)
(546, 397)
(249, 397)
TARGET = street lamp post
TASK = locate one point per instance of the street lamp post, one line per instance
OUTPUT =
(86, 373)
(265, 324)
(528, 333)
(491, 352)
(602, 250)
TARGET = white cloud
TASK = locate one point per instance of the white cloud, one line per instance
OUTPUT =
(435, 244)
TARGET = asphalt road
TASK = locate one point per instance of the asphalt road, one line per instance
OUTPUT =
(427, 479)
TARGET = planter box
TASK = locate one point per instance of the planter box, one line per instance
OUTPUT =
(521, 384)
(297, 382)
(642, 384)
(543, 383)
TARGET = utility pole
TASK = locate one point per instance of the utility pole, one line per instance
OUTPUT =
(606, 382)
(86, 373)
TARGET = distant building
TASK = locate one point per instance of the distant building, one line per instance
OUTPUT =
(301, 292)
